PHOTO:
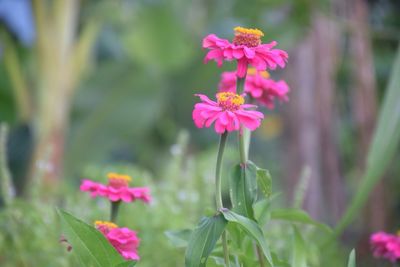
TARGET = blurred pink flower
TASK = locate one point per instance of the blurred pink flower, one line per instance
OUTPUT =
(247, 49)
(258, 85)
(385, 246)
(228, 113)
(124, 240)
(117, 189)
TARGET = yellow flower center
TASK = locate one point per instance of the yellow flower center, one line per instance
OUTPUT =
(243, 30)
(247, 37)
(253, 71)
(118, 180)
(117, 176)
(106, 224)
(230, 101)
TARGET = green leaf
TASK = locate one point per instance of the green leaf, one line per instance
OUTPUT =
(264, 181)
(203, 239)
(243, 189)
(298, 216)
(126, 264)
(352, 259)
(383, 147)
(92, 247)
(299, 258)
(251, 228)
(220, 261)
(279, 262)
(180, 238)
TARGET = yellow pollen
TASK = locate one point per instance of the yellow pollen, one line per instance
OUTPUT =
(242, 30)
(117, 176)
(253, 71)
(265, 74)
(398, 233)
(105, 223)
(233, 98)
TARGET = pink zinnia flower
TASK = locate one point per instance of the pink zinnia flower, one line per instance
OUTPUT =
(246, 48)
(124, 240)
(228, 113)
(385, 246)
(117, 189)
(258, 85)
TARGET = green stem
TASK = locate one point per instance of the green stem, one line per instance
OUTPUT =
(114, 211)
(260, 256)
(225, 248)
(218, 191)
(5, 176)
(242, 148)
(244, 144)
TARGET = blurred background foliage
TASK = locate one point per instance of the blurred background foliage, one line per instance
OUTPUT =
(137, 67)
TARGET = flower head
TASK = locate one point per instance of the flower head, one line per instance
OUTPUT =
(104, 226)
(228, 113)
(117, 189)
(247, 49)
(124, 240)
(258, 85)
(385, 246)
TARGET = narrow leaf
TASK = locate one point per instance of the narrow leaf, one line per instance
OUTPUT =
(251, 228)
(91, 246)
(299, 258)
(352, 259)
(203, 239)
(297, 216)
(383, 147)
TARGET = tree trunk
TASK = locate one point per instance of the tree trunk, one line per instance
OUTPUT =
(312, 119)
(326, 37)
(364, 104)
(303, 144)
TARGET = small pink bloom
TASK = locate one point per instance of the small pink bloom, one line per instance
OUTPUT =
(124, 240)
(117, 189)
(385, 246)
(94, 188)
(258, 85)
(228, 113)
(247, 49)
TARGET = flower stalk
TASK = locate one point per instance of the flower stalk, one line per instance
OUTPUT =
(218, 191)
(244, 144)
(114, 210)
